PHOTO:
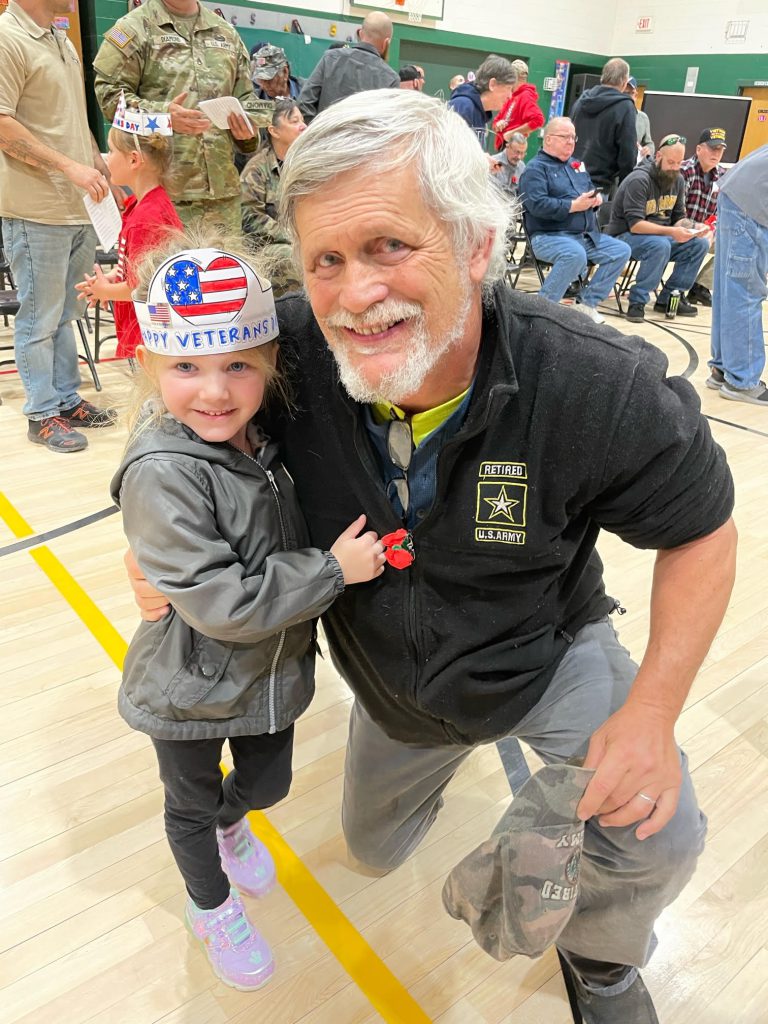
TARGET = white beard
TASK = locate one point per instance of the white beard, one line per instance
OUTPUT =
(422, 356)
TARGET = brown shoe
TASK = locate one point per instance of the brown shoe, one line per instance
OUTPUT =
(56, 434)
(86, 415)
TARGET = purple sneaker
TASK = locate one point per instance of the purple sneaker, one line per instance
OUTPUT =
(239, 955)
(246, 861)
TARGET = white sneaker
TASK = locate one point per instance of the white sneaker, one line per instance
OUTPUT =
(591, 312)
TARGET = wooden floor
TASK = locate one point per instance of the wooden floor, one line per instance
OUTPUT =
(90, 913)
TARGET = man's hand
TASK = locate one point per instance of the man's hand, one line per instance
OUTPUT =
(89, 180)
(184, 120)
(586, 201)
(682, 234)
(240, 127)
(634, 752)
(152, 604)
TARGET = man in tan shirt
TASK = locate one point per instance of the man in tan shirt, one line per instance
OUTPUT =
(48, 160)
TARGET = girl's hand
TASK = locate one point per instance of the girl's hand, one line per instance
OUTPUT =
(95, 286)
(361, 557)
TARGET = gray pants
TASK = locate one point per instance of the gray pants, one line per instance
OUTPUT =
(393, 792)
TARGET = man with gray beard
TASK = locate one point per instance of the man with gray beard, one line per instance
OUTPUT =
(488, 436)
(648, 214)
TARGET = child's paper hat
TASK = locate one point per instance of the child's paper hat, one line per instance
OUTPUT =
(139, 122)
(206, 302)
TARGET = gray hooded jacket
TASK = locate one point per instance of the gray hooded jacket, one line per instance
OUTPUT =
(222, 536)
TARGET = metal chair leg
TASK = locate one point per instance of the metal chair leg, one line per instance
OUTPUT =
(88, 356)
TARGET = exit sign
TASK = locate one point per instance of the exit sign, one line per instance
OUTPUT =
(644, 24)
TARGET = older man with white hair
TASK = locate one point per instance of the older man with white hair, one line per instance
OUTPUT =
(489, 436)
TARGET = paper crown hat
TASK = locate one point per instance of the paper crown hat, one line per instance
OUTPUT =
(206, 302)
(139, 122)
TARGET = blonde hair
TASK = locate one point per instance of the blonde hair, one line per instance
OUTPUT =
(156, 150)
(147, 408)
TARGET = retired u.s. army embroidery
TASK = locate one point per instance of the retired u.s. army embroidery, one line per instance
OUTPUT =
(501, 502)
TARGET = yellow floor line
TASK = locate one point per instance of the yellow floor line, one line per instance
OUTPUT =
(380, 986)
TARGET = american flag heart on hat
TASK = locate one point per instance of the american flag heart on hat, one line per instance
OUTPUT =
(213, 294)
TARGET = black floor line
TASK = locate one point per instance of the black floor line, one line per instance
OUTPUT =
(42, 538)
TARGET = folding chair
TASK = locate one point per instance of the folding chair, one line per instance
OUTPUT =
(517, 258)
(9, 306)
(624, 282)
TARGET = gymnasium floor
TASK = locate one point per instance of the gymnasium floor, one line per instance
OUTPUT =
(90, 913)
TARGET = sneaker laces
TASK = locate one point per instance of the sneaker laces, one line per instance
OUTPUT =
(51, 422)
(229, 927)
(243, 848)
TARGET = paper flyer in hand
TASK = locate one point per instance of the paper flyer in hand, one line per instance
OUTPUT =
(106, 220)
(218, 110)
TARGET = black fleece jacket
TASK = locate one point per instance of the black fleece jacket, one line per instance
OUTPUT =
(606, 125)
(571, 428)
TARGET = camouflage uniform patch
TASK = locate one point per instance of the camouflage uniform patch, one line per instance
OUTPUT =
(518, 889)
(154, 56)
(260, 194)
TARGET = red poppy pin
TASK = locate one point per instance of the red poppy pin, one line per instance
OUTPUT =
(398, 549)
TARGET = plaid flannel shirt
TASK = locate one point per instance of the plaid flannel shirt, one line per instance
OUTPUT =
(700, 194)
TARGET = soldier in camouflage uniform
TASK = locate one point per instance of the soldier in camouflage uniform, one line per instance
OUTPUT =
(260, 194)
(168, 61)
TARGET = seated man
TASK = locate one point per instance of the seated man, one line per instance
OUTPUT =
(510, 164)
(559, 202)
(271, 74)
(702, 174)
(260, 194)
(648, 213)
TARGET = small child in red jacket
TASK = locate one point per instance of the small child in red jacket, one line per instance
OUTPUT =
(140, 152)
(521, 112)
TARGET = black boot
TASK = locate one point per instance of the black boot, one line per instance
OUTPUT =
(633, 1006)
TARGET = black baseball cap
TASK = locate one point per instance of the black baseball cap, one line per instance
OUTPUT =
(713, 137)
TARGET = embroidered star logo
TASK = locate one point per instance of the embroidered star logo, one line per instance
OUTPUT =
(502, 504)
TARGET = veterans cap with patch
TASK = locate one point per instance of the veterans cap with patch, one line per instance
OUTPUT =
(268, 62)
(713, 137)
(206, 302)
(517, 890)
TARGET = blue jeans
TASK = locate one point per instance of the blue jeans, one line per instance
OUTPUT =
(741, 265)
(47, 260)
(568, 255)
(654, 253)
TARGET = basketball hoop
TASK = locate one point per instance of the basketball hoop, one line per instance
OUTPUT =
(415, 11)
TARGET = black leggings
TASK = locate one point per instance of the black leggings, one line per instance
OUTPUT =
(197, 799)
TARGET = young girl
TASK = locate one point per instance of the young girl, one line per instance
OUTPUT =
(140, 162)
(213, 522)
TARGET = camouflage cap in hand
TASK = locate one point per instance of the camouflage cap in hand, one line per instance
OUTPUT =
(518, 889)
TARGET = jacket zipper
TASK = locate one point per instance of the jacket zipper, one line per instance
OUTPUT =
(281, 639)
(372, 471)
